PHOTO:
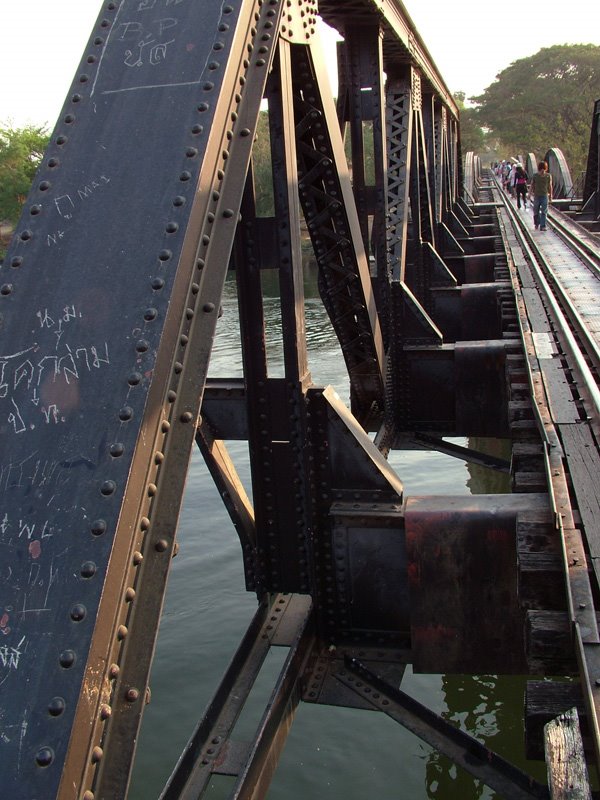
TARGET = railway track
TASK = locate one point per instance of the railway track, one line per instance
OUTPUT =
(566, 267)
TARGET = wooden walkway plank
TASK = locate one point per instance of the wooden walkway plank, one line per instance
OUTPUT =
(567, 771)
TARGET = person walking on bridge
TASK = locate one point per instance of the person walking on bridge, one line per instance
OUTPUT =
(521, 186)
(541, 189)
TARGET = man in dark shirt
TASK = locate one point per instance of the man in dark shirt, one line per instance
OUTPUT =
(541, 189)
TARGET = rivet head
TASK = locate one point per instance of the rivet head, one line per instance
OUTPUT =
(67, 659)
(129, 595)
(187, 416)
(78, 612)
(165, 255)
(161, 546)
(179, 201)
(105, 711)
(137, 558)
(134, 378)
(122, 632)
(165, 426)
(158, 284)
(126, 413)
(132, 695)
(88, 569)
(108, 488)
(16, 262)
(142, 346)
(44, 757)
(117, 449)
(97, 754)
(150, 314)
(6, 289)
(208, 307)
(152, 489)
(56, 706)
(144, 523)
(87, 795)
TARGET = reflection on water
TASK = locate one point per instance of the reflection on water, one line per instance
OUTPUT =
(330, 752)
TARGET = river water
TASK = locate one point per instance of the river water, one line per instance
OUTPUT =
(330, 752)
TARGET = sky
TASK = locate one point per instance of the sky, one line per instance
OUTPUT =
(41, 43)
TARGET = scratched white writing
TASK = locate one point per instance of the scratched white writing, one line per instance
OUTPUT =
(11, 526)
(149, 43)
(67, 204)
(148, 5)
(10, 656)
(58, 322)
(67, 364)
(34, 472)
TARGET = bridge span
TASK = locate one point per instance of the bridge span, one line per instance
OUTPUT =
(455, 320)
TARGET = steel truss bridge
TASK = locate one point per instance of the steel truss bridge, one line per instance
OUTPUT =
(109, 301)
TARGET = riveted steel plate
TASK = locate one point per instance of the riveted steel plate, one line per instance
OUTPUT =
(98, 293)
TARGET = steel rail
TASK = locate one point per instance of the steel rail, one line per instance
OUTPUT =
(553, 293)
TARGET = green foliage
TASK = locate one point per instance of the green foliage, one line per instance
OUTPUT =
(544, 101)
(21, 150)
(472, 136)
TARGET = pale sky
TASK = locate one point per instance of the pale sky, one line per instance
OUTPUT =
(41, 43)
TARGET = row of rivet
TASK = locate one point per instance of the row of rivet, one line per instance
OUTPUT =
(344, 305)
(53, 162)
(67, 658)
(320, 486)
(142, 346)
(125, 414)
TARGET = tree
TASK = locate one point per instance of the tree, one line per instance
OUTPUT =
(543, 101)
(21, 150)
(472, 136)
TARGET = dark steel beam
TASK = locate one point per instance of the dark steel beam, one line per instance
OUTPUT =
(332, 220)
(212, 749)
(401, 36)
(466, 751)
